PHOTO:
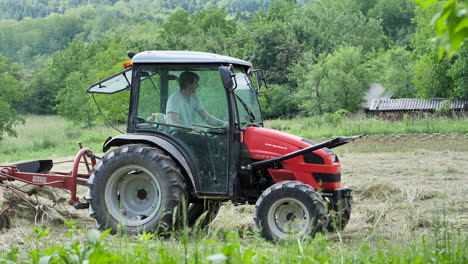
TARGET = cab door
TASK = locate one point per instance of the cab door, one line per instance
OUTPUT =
(158, 86)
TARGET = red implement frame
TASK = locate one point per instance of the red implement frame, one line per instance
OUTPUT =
(62, 180)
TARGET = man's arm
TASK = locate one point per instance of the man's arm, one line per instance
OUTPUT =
(211, 119)
(175, 120)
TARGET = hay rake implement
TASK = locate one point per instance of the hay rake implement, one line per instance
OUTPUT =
(40, 173)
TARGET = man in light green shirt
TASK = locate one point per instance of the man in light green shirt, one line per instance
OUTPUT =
(182, 105)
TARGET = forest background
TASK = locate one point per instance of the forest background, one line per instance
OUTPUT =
(320, 56)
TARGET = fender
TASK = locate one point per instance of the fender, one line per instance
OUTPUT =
(164, 143)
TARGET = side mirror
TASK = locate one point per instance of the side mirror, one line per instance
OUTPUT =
(228, 77)
(261, 80)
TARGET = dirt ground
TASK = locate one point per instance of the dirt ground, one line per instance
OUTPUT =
(402, 188)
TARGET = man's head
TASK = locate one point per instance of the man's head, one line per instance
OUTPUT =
(188, 79)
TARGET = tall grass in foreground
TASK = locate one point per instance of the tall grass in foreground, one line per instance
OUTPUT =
(323, 127)
(442, 245)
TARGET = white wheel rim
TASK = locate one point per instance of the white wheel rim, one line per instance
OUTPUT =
(133, 195)
(288, 217)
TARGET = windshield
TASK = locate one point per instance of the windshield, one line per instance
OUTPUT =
(246, 99)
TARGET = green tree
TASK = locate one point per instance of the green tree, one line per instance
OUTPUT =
(95, 62)
(274, 47)
(396, 16)
(394, 69)
(50, 78)
(214, 19)
(458, 73)
(336, 81)
(10, 93)
(309, 75)
(73, 103)
(29, 37)
(436, 76)
(323, 26)
(279, 102)
(451, 24)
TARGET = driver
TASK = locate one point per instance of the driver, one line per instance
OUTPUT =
(181, 105)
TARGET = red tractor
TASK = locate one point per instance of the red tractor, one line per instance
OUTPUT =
(222, 154)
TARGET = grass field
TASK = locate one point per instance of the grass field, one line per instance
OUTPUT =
(409, 207)
(52, 137)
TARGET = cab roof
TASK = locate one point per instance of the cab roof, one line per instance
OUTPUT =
(174, 56)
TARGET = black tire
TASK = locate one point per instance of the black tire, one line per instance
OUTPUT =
(195, 210)
(4, 222)
(282, 203)
(338, 220)
(135, 189)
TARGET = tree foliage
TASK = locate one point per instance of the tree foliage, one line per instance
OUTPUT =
(335, 81)
(395, 71)
(10, 93)
(319, 56)
(323, 26)
(395, 16)
(435, 76)
(451, 24)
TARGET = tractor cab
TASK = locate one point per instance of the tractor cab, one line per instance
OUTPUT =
(225, 91)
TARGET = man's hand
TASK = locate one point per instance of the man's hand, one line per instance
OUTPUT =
(197, 129)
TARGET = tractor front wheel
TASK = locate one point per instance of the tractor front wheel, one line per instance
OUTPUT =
(290, 209)
(135, 188)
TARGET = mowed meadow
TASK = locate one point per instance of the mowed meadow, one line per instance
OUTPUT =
(409, 179)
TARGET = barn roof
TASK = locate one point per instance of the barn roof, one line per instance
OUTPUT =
(408, 104)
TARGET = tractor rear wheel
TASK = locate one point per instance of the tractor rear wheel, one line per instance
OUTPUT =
(4, 222)
(135, 189)
(196, 210)
(290, 209)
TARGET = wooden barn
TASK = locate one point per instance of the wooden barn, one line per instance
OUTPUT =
(396, 109)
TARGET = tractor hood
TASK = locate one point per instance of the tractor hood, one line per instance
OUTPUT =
(276, 135)
(264, 143)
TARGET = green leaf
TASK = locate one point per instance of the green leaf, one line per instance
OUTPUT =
(93, 237)
(248, 255)
(211, 242)
(51, 250)
(45, 260)
(102, 257)
(35, 256)
(104, 234)
(228, 250)
(39, 232)
(462, 25)
(425, 3)
(456, 40)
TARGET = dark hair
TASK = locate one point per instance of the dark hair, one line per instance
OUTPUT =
(187, 78)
